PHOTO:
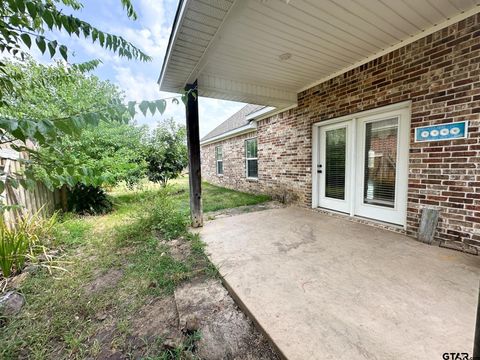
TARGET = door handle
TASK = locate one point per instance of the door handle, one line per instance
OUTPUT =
(319, 171)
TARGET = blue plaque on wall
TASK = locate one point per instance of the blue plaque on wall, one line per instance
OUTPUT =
(450, 131)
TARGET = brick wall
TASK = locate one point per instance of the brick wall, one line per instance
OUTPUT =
(440, 75)
(233, 164)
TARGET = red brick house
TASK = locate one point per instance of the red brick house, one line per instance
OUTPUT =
(370, 110)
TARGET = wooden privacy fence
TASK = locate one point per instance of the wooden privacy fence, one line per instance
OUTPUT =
(37, 199)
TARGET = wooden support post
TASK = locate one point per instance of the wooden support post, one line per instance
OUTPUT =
(193, 143)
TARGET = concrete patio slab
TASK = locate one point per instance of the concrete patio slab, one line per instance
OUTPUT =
(323, 287)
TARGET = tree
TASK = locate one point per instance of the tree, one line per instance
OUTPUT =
(167, 152)
(25, 22)
(104, 153)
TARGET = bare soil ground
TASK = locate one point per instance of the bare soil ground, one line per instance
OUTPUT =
(200, 318)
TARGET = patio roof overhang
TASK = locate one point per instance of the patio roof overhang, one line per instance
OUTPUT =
(266, 51)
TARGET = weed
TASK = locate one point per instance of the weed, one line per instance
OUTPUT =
(183, 352)
(30, 236)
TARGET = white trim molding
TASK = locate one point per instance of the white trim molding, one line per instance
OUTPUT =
(232, 133)
(255, 114)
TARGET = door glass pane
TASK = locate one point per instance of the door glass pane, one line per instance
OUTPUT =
(335, 156)
(380, 162)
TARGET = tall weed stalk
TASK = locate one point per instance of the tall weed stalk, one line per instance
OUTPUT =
(30, 236)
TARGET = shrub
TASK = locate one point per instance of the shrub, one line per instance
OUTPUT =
(89, 200)
(28, 238)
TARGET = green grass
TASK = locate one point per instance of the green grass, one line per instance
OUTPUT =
(215, 197)
(58, 320)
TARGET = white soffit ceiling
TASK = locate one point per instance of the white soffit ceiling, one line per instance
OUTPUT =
(265, 51)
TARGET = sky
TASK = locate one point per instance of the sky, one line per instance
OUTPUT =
(137, 79)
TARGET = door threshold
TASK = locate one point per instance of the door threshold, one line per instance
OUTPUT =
(363, 220)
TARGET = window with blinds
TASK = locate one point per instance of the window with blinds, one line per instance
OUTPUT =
(251, 158)
(380, 162)
(335, 158)
(219, 159)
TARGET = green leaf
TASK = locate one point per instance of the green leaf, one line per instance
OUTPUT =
(26, 40)
(64, 52)
(8, 124)
(94, 35)
(52, 48)
(92, 119)
(2, 186)
(161, 105)
(40, 40)
(143, 107)
(152, 106)
(131, 108)
(48, 18)
(65, 126)
(32, 9)
(67, 25)
(101, 38)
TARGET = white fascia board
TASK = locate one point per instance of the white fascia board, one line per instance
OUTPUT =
(232, 133)
(275, 111)
(182, 6)
(260, 112)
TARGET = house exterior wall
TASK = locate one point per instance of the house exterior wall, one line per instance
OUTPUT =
(234, 173)
(440, 75)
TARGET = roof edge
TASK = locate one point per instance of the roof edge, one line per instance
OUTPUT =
(173, 34)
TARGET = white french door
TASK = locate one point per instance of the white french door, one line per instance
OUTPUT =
(382, 166)
(362, 165)
(334, 166)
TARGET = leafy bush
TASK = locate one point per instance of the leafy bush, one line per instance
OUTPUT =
(29, 237)
(89, 200)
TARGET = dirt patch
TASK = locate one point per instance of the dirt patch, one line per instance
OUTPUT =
(179, 249)
(226, 333)
(199, 321)
(104, 281)
(158, 318)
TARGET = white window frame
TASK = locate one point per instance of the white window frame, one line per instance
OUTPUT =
(217, 161)
(251, 158)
